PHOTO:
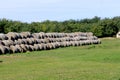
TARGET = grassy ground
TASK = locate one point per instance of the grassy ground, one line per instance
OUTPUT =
(93, 62)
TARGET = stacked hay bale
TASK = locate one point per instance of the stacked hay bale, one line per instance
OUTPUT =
(13, 42)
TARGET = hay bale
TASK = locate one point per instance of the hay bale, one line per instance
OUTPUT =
(33, 40)
(40, 46)
(19, 48)
(89, 34)
(31, 48)
(2, 49)
(36, 35)
(16, 42)
(7, 42)
(30, 41)
(42, 35)
(7, 49)
(96, 41)
(57, 44)
(36, 47)
(44, 46)
(46, 40)
(53, 45)
(13, 49)
(12, 36)
(23, 47)
(25, 35)
(22, 41)
(42, 41)
(49, 46)
(3, 36)
(48, 35)
(37, 41)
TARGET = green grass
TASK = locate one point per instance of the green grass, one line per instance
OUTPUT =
(93, 62)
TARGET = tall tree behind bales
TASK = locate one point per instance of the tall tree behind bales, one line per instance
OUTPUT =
(116, 21)
(109, 27)
(3, 22)
(35, 27)
(97, 30)
(93, 20)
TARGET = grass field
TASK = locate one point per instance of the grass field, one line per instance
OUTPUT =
(93, 62)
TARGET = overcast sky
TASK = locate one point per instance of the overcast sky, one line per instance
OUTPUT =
(40, 10)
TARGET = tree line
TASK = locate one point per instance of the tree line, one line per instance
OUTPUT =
(106, 27)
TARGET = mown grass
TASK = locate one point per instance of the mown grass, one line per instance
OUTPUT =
(93, 62)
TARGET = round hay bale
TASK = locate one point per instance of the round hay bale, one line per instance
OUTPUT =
(42, 35)
(73, 43)
(40, 46)
(7, 49)
(36, 35)
(22, 41)
(44, 46)
(26, 47)
(23, 47)
(13, 49)
(53, 45)
(49, 46)
(16, 42)
(31, 48)
(12, 36)
(19, 48)
(37, 41)
(29, 41)
(3, 36)
(2, 49)
(36, 47)
(7, 42)
(25, 35)
(89, 34)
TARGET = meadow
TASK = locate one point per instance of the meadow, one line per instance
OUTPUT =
(90, 62)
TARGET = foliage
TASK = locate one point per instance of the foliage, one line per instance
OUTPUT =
(100, 27)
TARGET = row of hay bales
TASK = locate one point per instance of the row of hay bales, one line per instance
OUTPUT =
(23, 35)
(13, 42)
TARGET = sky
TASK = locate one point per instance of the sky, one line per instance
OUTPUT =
(59, 10)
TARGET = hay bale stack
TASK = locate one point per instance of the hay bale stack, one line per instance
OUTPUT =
(25, 41)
